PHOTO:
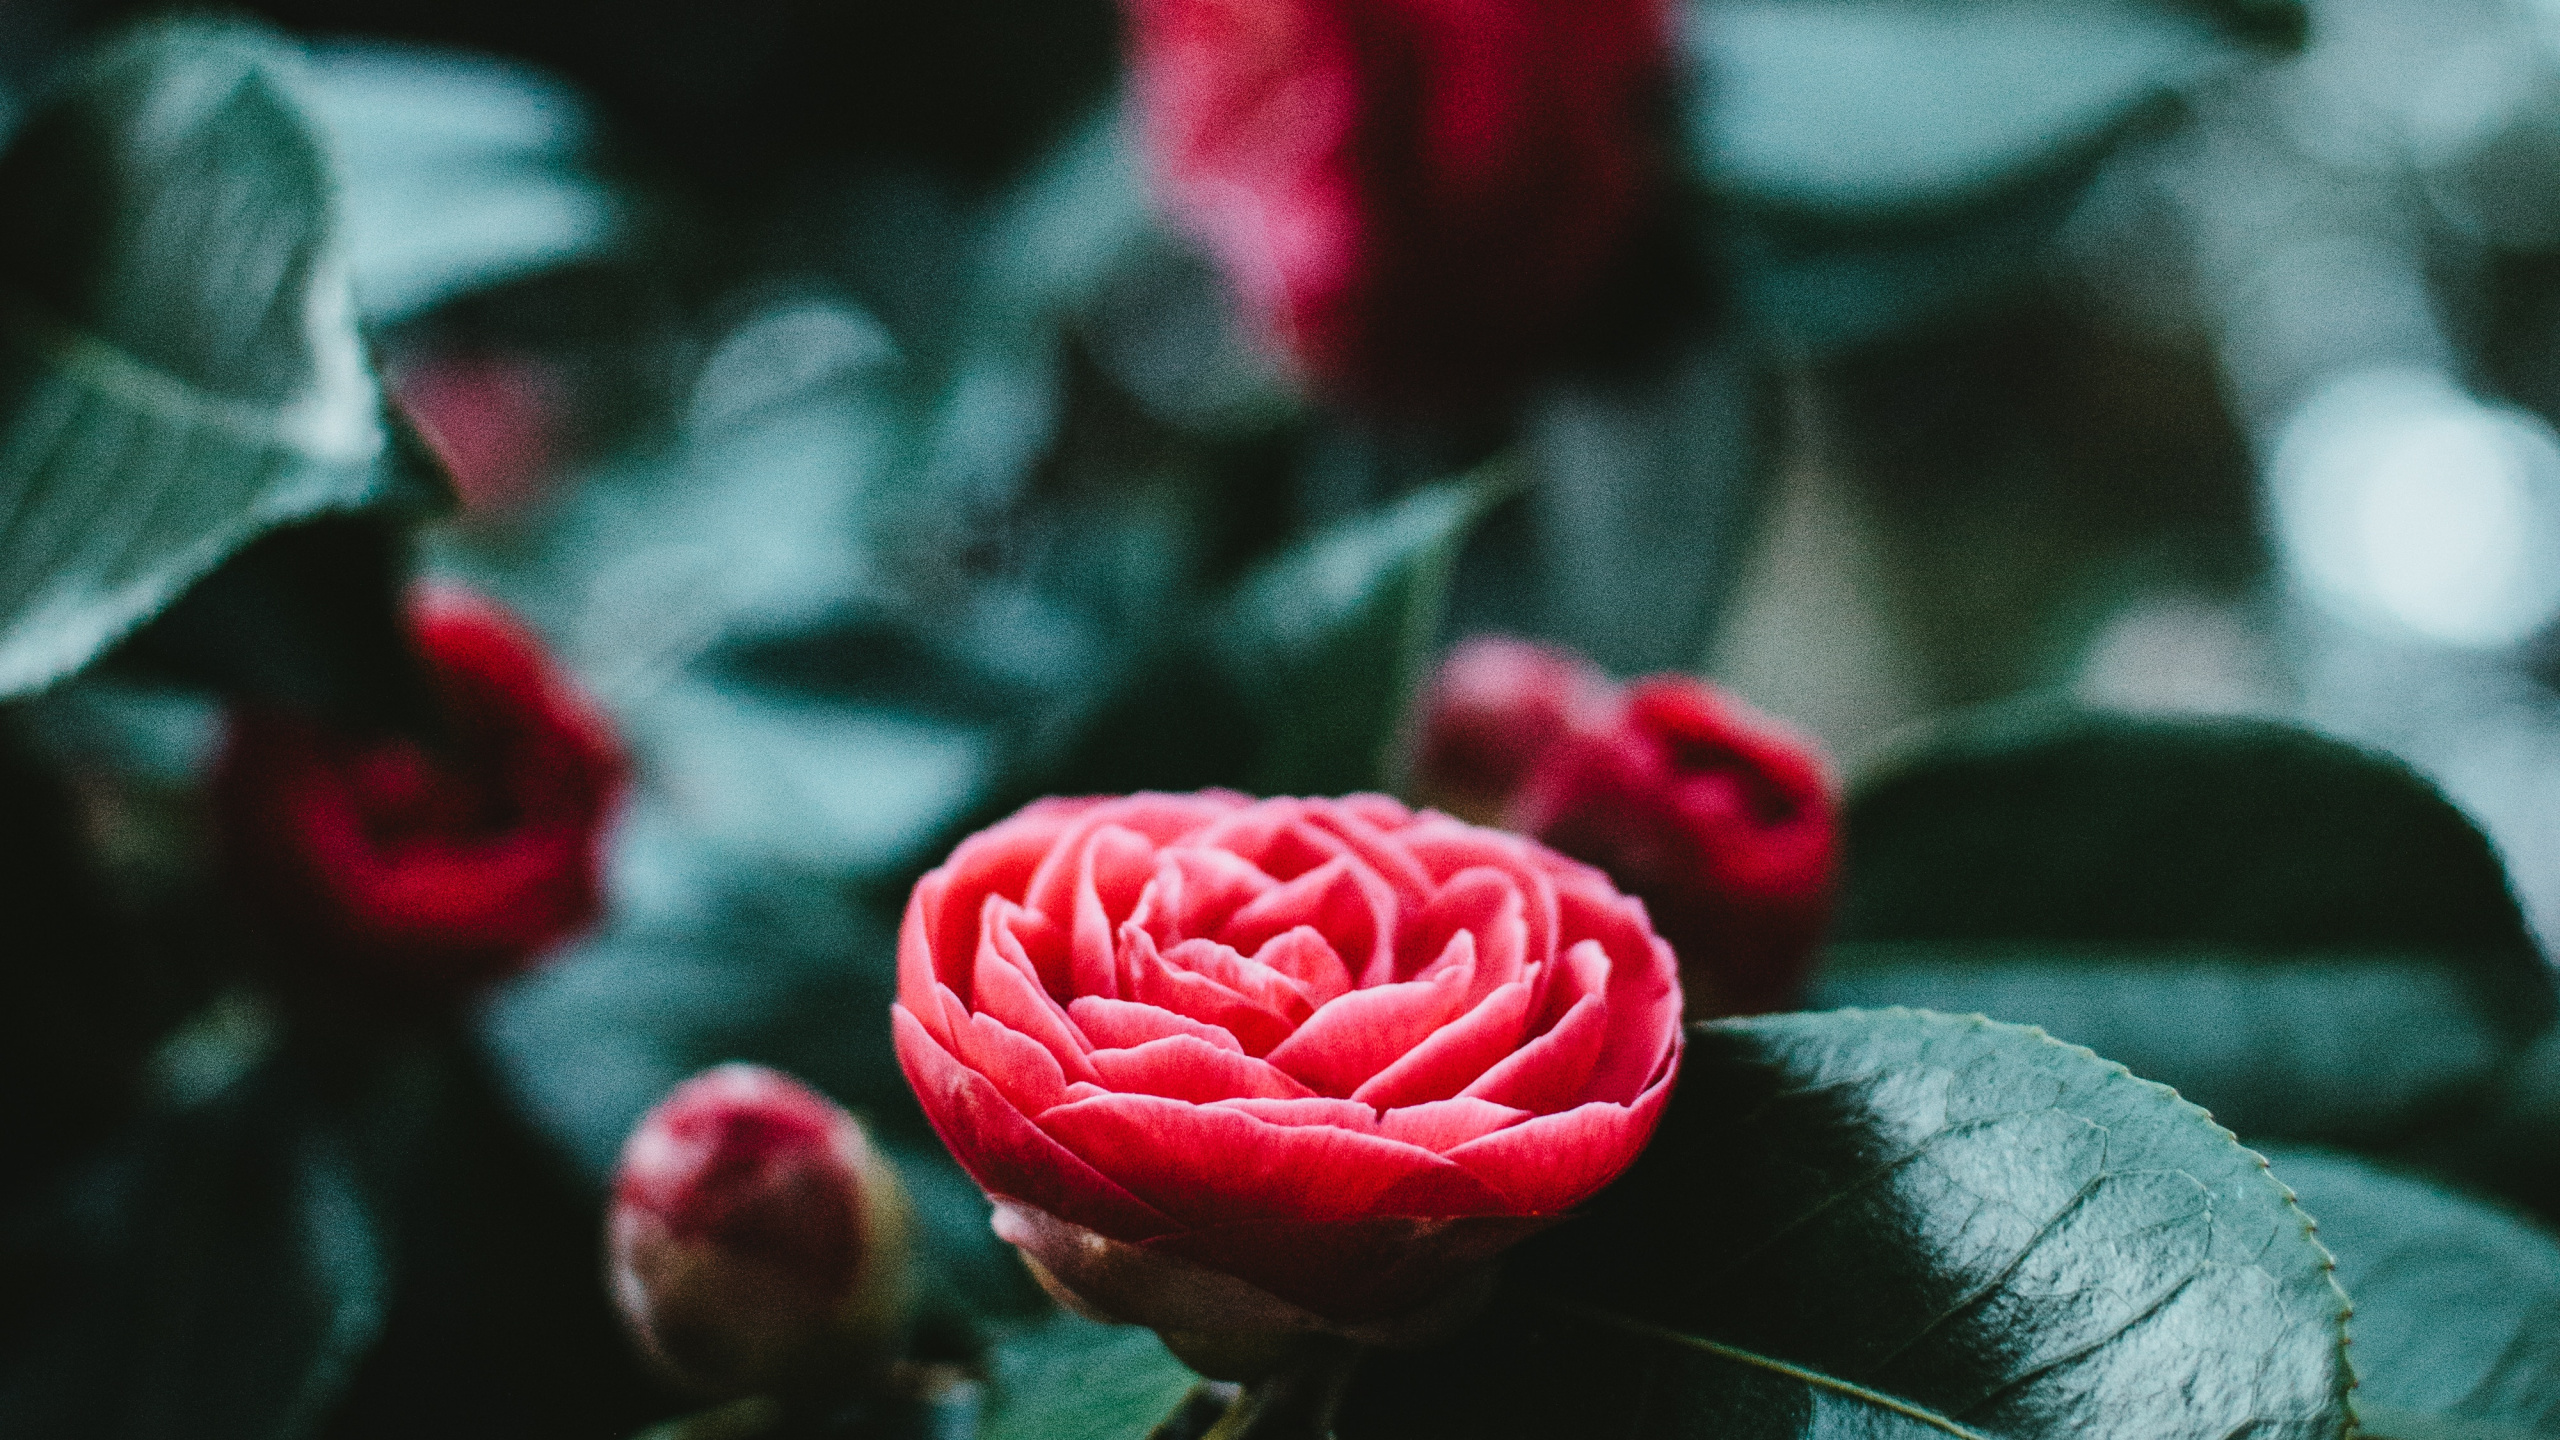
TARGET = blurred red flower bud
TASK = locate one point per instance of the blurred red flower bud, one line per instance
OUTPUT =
(495, 421)
(1416, 199)
(1492, 709)
(757, 1241)
(376, 859)
(1720, 819)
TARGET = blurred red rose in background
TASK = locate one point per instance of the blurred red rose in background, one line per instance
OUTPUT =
(1493, 708)
(1234, 1066)
(756, 1238)
(1415, 198)
(377, 859)
(1720, 819)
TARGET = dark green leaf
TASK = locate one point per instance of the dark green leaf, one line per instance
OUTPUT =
(1904, 1224)
(1074, 1379)
(181, 369)
(309, 616)
(2456, 1328)
(1639, 517)
(1328, 638)
(2303, 937)
(242, 1275)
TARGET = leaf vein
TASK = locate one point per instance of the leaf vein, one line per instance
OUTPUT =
(1739, 1356)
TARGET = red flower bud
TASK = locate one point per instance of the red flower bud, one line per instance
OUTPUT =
(757, 1240)
(1415, 199)
(1493, 708)
(1722, 821)
(431, 871)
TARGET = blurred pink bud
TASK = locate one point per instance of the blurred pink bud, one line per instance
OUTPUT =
(497, 422)
(1722, 820)
(757, 1240)
(1491, 711)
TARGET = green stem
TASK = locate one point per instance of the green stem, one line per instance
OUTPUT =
(1298, 1401)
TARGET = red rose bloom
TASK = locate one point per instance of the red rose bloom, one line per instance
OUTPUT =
(1494, 707)
(1718, 818)
(1287, 1064)
(418, 869)
(755, 1236)
(1415, 197)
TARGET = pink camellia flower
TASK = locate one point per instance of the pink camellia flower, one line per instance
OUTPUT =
(378, 860)
(1285, 1065)
(756, 1238)
(1493, 708)
(1721, 820)
(1414, 197)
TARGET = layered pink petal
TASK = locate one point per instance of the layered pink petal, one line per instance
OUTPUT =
(1361, 1032)
(1447, 848)
(1343, 901)
(1149, 980)
(1118, 863)
(1553, 1071)
(1023, 1068)
(1482, 901)
(1451, 1057)
(1549, 1164)
(1441, 1125)
(1304, 955)
(1280, 994)
(1316, 1110)
(1643, 993)
(919, 977)
(1196, 891)
(1120, 1024)
(1006, 992)
(1185, 1067)
(1000, 860)
(1007, 1154)
(1208, 1163)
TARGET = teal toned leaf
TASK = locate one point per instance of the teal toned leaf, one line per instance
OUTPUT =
(1327, 639)
(2304, 937)
(1894, 1223)
(179, 364)
(2456, 1329)
(1073, 1379)
(460, 172)
(247, 1277)
(1855, 110)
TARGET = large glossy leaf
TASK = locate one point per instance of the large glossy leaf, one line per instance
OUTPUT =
(1895, 1223)
(2456, 1331)
(1072, 1379)
(1328, 638)
(179, 364)
(2303, 937)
